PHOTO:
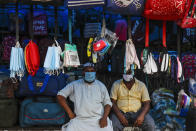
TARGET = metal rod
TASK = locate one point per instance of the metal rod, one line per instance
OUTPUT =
(17, 23)
(70, 25)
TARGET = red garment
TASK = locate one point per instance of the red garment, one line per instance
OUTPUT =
(32, 58)
(121, 29)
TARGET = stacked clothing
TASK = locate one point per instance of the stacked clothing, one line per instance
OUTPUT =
(164, 110)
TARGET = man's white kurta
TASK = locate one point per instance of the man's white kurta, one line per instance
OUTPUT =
(89, 101)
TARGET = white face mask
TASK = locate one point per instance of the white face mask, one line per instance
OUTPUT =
(127, 78)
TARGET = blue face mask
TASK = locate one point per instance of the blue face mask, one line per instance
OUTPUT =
(90, 76)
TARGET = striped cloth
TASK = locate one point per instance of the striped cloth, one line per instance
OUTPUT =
(78, 4)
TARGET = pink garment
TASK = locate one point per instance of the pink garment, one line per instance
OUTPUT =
(121, 29)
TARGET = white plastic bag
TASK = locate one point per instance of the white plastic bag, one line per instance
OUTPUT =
(71, 58)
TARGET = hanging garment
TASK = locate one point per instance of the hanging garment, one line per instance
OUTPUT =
(131, 55)
(189, 20)
(164, 64)
(164, 60)
(121, 30)
(150, 67)
(52, 63)
(32, 58)
(165, 9)
(17, 63)
(179, 72)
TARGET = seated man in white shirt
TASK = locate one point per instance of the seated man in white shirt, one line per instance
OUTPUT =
(91, 100)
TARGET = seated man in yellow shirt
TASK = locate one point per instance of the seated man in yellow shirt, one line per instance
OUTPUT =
(131, 103)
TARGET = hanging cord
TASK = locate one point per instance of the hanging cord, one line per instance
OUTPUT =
(56, 23)
(147, 33)
(17, 23)
(31, 22)
(191, 10)
(164, 33)
(129, 27)
(103, 25)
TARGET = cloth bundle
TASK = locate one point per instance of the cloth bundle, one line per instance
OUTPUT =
(164, 111)
(32, 58)
(52, 61)
(131, 55)
(17, 62)
(183, 103)
(192, 86)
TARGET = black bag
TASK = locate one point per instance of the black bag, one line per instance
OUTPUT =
(8, 112)
(3, 77)
(191, 120)
(7, 86)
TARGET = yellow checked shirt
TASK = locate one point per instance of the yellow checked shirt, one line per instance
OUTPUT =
(129, 100)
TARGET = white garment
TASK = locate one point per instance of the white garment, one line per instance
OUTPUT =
(179, 74)
(89, 101)
(150, 67)
(131, 55)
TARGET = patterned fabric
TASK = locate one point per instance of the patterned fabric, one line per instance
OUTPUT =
(131, 7)
(189, 65)
(164, 9)
(8, 43)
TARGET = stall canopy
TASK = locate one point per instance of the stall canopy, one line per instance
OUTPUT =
(48, 2)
